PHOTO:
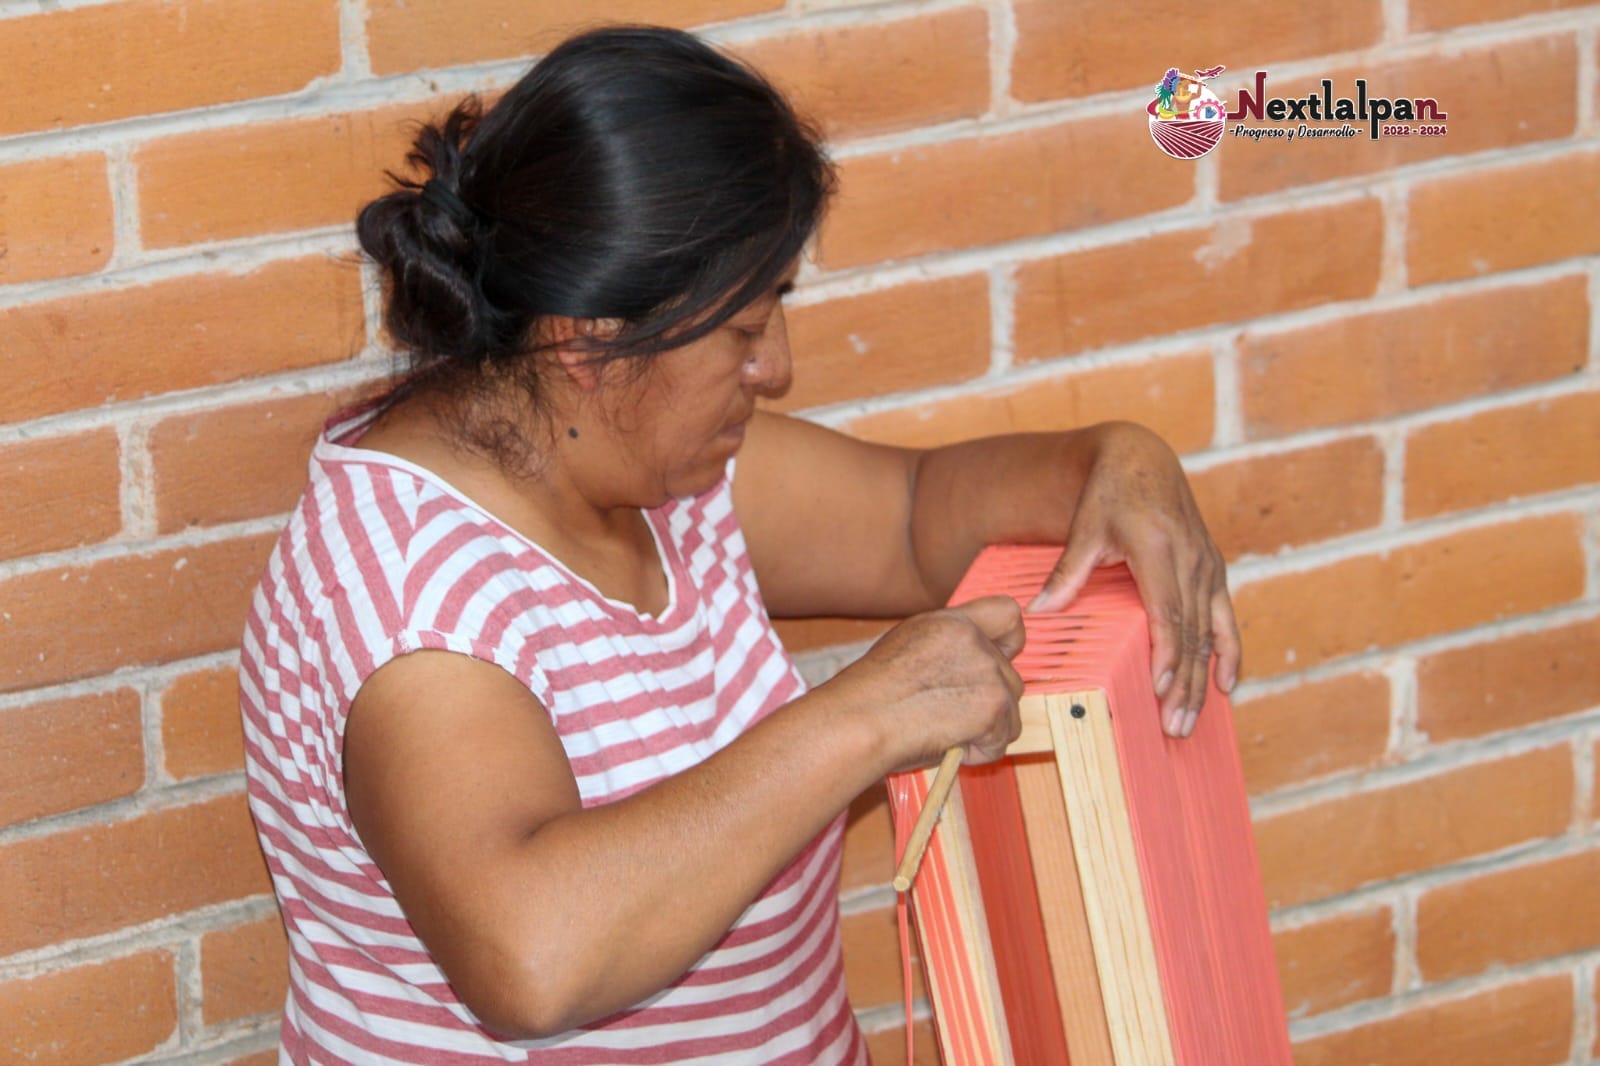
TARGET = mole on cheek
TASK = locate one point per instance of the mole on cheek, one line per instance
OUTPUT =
(572, 431)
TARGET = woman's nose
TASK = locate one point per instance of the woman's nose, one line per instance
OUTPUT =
(770, 370)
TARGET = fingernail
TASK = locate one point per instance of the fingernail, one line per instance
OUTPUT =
(1189, 718)
(1164, 684)
(1172, 721)
(1037, 602)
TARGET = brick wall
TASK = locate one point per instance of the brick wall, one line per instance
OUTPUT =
(1379, 360)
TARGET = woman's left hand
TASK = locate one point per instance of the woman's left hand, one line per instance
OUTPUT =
(1136, 507)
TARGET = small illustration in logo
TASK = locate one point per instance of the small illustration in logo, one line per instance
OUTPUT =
(1186, 117)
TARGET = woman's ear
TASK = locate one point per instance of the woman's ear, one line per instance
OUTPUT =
(569, 339)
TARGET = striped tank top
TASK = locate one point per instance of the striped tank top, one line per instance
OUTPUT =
(382, 557)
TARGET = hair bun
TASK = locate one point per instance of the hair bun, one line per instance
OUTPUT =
(449, 203)
(433, 250)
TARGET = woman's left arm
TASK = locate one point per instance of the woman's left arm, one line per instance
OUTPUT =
(840, 526)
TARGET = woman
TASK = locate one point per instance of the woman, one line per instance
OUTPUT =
(533, 774)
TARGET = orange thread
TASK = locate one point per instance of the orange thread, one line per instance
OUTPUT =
(1191, 830)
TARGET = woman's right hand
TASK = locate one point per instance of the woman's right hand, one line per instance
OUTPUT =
(943, 679)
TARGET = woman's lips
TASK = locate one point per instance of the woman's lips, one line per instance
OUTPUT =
(735, 432)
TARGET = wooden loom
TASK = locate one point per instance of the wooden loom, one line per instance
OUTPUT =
(1094, 898)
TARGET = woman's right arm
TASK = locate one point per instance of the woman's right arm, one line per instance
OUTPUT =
(545, 915)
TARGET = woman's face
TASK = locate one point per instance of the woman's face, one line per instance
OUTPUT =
(680, 421)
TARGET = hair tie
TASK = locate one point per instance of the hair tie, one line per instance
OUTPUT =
(441, 197)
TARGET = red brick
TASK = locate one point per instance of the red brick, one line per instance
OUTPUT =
(200, 729)
(235, 463)
(1509, 682)
(1441, 14)
(405, 35)
(1259, 506)
(868, 841)
(1527, 1022)
(1240, 268)
(55, 217)
(1312, 730)
(102, 1012)
(910, 336)
(60, 492)
(985, 190)
(83, 621)
(103, 62)
(1341, 844)
(1532, 912)
(68, 754)
(872, 971)
(1377, 364)
(102, 347)
(244, 971)
(84, 882)
(884, 75)
(1483, 92)
(270, 177)
(1490, 220)
(1295, 621)
(1332, 963)
(887, 1047)
(1543, 446)
(1083, 49)
(1172, 395)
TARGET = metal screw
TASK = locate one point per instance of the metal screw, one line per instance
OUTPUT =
(1078, 710)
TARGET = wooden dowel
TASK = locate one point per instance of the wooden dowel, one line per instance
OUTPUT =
(927, 818)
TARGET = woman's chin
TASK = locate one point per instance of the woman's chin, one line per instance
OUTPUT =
(702, 477)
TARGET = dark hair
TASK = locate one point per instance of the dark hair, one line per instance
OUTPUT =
(634, 173)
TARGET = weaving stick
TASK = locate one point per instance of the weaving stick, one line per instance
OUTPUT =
(911, 856)
(1118, 917)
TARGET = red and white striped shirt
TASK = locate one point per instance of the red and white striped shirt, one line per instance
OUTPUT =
(380, 558)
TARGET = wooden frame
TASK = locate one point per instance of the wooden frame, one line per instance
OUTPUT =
(1095, 897)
